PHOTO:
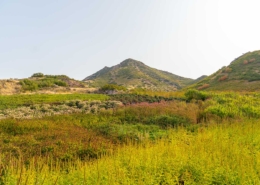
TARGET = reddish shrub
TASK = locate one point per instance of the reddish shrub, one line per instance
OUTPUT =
(204, 86)
(245, 62)
(223, 78)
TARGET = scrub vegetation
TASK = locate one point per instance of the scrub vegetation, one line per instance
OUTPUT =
(144, 137)
(39, 81)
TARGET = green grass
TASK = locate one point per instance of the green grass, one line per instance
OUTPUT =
(14, 101)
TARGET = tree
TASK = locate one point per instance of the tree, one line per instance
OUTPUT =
(38, 75)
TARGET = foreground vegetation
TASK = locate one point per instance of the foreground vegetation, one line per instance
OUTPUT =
(216, 154)
(193, 138)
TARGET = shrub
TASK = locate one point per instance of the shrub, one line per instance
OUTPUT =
(38, 75)
(41, 83)
(195, 94)
(245, 62)
(223, 78)
(109, 87)
(88, 153)
(80, 105)
(60, 83)
(204, 86)
(29, 85)
(93, 110)
(71, 103)
(49, 82)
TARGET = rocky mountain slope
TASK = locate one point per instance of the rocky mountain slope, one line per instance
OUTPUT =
(133, 74)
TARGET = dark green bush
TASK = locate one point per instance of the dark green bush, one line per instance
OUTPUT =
(112, 87)
(29, 85)
(195, 94)
(60, 83)
(88, 153)
(38, 75)
(71, 103)
(32, 85)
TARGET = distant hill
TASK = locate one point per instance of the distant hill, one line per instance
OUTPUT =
(133, 74)
(41, 83)
(243, 74)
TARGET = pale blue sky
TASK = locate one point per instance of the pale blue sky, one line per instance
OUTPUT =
(78, 37)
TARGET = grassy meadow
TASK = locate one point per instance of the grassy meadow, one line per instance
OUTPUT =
(192, 138)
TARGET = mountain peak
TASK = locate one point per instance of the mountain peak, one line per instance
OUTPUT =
(133, 73)
(130, 61)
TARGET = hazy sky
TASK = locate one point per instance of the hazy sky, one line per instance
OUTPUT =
(78, 37)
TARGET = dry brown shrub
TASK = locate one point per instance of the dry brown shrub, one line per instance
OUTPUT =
(223, 78)
(245, 62)
(204, 86)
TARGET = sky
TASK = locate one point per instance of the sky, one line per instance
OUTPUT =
(76, 38)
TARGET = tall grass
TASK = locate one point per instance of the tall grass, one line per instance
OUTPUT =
(67, 137)
(214, 154)
(231, 105)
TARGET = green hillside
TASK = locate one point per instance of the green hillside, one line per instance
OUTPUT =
(40, 81)
(132, 74)
(243, 74)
